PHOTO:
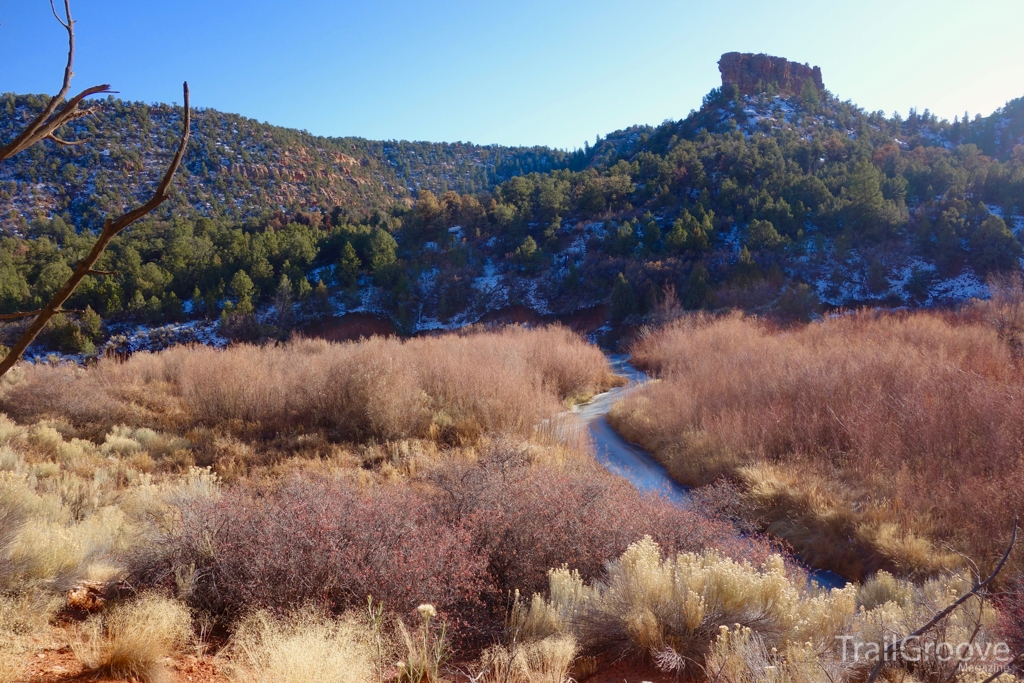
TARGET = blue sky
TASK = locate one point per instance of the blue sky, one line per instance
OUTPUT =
(553, 72)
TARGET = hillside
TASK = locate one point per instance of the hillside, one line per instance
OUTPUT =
(774, 197)
(236, 168)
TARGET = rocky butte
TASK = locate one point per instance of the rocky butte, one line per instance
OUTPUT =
(753, 74)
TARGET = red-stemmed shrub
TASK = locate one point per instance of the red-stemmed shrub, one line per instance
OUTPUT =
(316, 541)
(527, 519)
(462, 539)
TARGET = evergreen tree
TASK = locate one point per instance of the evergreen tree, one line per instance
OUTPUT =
(762, 235)
(322, 306)
(243, 289)
(382, 250)
(651, 235)
(283, 302)
(993, 247)
(698, 287)
(623, 299)
(348, 266)
(678, 237)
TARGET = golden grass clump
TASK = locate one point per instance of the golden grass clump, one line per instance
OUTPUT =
(131, 640)
(700, 614)
(548, 660)
(307, 647)
(870, 428)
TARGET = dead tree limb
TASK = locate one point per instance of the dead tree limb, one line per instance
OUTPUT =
(111, 229)
(891, 649)
(54, 117)
(29, 314)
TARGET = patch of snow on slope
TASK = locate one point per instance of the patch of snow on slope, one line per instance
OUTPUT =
(534, 299)
(491, 287)
(154, 338)
(964, 286)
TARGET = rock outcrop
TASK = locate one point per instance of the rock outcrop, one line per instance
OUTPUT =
(753, 74)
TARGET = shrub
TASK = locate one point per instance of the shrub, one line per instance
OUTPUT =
(463, 539)
(42, 545)
(884, 423)
(306, 647)
(318, 542)
(474, 382)
(132, 639)
(527, 518)
(700, 613)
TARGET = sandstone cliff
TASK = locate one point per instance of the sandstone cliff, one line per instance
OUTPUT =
(752, 74)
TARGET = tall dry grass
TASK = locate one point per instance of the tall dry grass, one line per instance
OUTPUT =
(452, 388)
(876, 430)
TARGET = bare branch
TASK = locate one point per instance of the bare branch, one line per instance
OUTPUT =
(978, 587)
(16, 316)
(29, 314)
(56, 16)
(102, 272)
(66, 143)
(51, 119)
(111, 228)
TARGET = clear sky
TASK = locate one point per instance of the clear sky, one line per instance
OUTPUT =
(552, 72)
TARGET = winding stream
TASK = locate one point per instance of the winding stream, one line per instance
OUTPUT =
(632, 462)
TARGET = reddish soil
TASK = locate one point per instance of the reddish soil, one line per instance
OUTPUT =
(513, 315)
(585, 320)
(60, 666)
(352, 327)
(628, 672)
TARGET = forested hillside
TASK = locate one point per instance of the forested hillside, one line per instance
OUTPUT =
(236, 168)
(773, 204)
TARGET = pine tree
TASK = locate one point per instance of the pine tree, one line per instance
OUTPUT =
(322, 306)
(678, 237)
(698, 288)
(243, 290)
(283, 302)
(348, 267)
(623, 298)
(196, 301)
(762, 235)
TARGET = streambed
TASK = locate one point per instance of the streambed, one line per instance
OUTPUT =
(632, 462)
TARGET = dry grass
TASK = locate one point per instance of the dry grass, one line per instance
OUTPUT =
(24, 621)
(427, 649)
(710, 618)
(452, 388)
(307, 647)
(68, 507)
(880, 430)
(548, 660)
(131, 640)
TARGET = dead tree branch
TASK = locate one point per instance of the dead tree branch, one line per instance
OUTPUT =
(111, 229)
(978, 587)
(54, 117)
(29, 314)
